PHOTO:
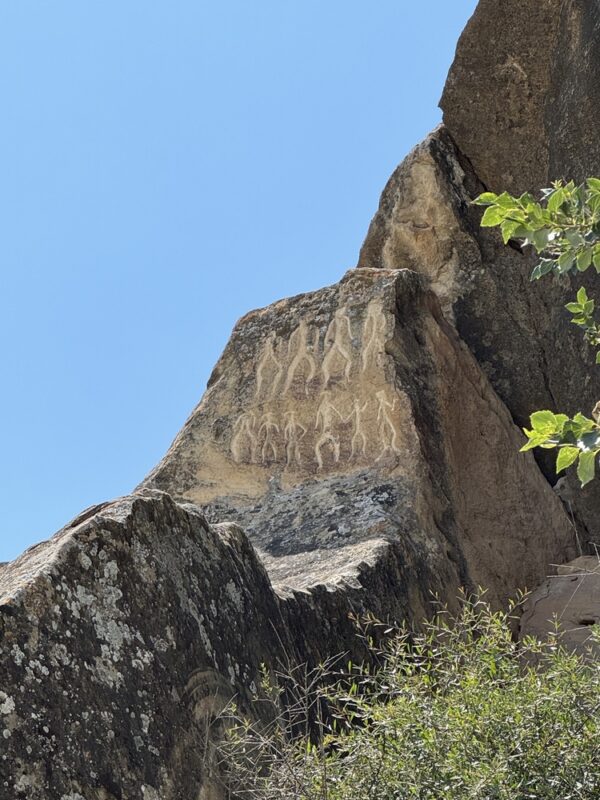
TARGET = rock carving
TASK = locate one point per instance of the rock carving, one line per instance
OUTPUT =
(293, 434)
(374, 331)
(388, 434)
(300, 353)
(268, 367)
(270, 428)
(359, 440)
(338, 346)
(244, 442)
(325, 424)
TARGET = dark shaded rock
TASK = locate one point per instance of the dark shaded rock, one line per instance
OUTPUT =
(519, 331)
(522, 99)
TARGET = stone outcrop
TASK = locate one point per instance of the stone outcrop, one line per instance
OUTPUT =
(522, 99)
(356, 451)
(567, 604)
(514, 106)
(119, 639)
(355, 418)
(372, 464)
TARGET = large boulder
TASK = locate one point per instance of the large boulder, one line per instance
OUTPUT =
(120, 638)
(568, 605)
(353, 420)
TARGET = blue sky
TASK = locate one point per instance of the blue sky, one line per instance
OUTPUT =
(166, 167)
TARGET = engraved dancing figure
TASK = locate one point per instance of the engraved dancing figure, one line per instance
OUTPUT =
(293, 434)
(325, 423)
(338, 344)
(387, 429)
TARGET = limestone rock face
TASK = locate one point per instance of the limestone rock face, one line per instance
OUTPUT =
(522, 100)
(569, 603)
(354, 420)
(119, 638)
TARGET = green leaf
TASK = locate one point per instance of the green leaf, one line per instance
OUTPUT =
(590, 441)
(536, 441)
(543, 421)
(536, 273)
(574, 308)
(485, 199)
(584, 422)
(565, 261)
(596, 258)
(574, 238)
(598, 358)
(556, 200)
(493, 216)
(566, 457)
(506, 200)
(586, 467)
(594, 184)
(509, 228)
(582, 296)
(584, 259)
(540, 239)
(546, 265)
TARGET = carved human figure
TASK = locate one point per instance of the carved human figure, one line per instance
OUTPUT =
(244, 441)
(358, 442)
(300, 354)
(387, 430)
(293, 433)
(325, 424)
(374, 330)
(268, 368)
(270, 429)
(338, 345)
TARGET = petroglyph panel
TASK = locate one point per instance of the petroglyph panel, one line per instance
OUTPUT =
(320, 400)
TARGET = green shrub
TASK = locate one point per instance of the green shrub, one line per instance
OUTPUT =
(458, 712)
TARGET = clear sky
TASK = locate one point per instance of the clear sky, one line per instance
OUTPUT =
(164, 168)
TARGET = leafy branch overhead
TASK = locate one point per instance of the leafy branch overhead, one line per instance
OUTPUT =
(577, 438)
(564, 230)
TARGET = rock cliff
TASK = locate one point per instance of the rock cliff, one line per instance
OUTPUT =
(356, 450)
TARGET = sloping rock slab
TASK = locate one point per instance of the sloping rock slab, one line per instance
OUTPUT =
(118, 639)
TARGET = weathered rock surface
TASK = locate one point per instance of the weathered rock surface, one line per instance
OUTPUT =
(353, 420)
(522, 99)
(567, 603)
(118, 639)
